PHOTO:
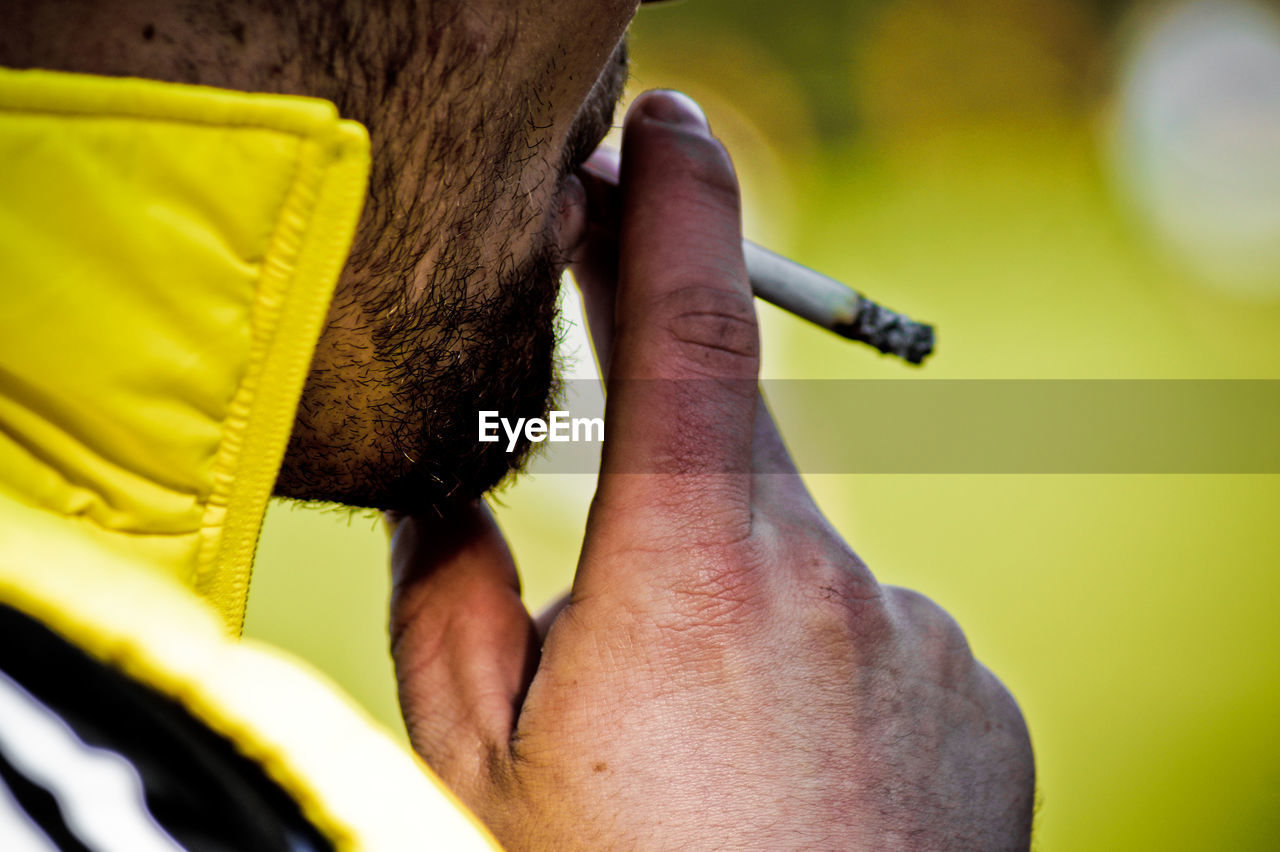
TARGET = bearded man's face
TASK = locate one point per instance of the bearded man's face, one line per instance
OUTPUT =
(478, 113)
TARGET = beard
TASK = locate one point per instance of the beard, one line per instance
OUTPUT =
(439, 315)
(451, 358)
(391, 423)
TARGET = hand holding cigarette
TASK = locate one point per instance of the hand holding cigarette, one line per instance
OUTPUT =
(726, 673)
(782, 282)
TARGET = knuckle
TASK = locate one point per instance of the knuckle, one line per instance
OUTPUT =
(850, 602)
(827, 567)
(837, 593)
(933, 634)
(1006, 716)
(713, 327)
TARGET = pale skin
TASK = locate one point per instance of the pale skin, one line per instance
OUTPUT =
(726, 672)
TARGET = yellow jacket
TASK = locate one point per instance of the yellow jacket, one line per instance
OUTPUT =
(167, 255)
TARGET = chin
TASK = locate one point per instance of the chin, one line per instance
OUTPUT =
(410, 444)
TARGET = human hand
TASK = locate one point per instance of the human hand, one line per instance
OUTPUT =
(726, 672)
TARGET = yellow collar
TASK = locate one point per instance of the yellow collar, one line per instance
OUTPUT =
(167, 256)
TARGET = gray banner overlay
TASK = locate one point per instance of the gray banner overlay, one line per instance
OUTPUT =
(978, 426)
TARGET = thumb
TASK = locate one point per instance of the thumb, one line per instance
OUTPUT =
(464, 646)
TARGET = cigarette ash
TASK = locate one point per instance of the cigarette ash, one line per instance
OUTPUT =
(890, 332)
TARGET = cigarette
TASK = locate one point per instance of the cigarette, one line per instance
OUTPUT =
(799, 290)
(826, 302)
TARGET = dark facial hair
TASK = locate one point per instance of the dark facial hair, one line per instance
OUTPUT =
(453, 357)
(395, 426)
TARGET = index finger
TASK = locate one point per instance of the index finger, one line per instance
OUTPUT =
(682, 383)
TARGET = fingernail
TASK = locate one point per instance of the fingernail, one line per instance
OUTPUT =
(675, 108)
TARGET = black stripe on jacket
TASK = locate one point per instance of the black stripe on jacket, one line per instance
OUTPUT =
(198, 788)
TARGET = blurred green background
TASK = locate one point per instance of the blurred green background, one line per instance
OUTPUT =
(1067, 190)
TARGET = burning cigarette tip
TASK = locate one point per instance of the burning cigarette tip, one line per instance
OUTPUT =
(890, 332)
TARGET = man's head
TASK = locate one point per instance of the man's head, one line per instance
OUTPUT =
(478, 111)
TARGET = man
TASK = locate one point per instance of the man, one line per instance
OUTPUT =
(726, 673)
